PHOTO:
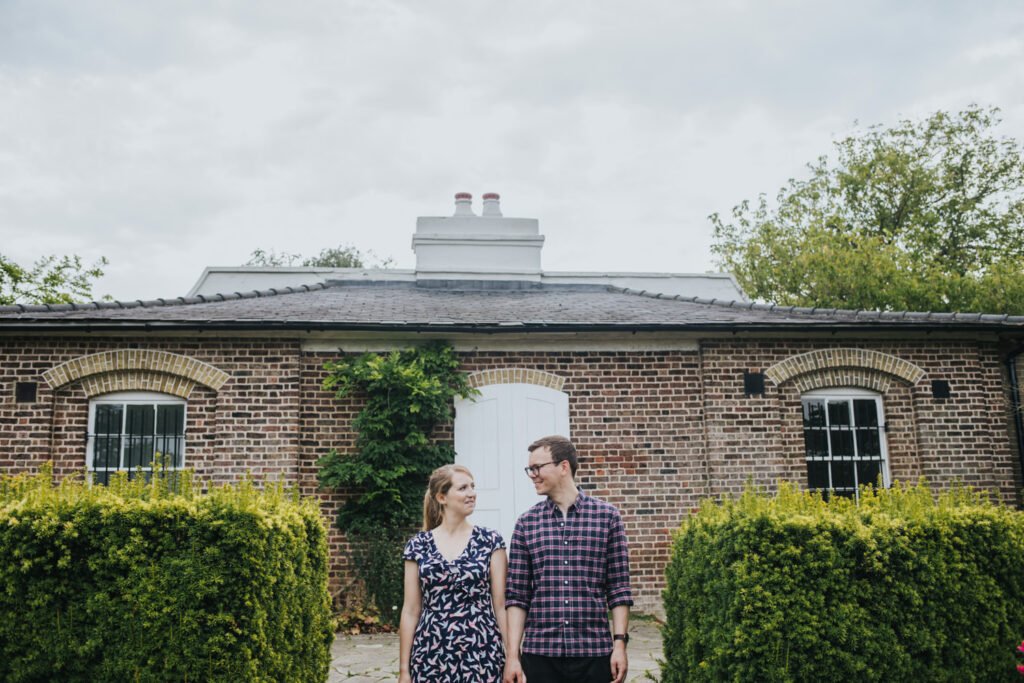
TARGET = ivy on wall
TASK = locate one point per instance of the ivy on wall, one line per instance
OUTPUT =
(407, 393)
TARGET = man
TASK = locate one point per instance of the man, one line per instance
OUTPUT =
(568, 565)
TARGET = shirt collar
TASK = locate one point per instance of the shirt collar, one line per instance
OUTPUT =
(579, 503)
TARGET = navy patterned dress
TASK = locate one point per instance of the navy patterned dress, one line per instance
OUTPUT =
(457, 638)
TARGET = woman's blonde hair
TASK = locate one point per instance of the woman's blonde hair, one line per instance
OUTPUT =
(440, 482)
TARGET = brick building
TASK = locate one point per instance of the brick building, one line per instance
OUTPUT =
(671, 397)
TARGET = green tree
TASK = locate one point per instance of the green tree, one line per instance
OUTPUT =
(50, 280)
(342, 256)
(926, 215)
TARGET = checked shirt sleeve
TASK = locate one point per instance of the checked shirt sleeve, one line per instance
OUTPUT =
(518, 586)
(619, 592)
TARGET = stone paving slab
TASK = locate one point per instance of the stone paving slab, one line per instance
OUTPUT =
(374, 657)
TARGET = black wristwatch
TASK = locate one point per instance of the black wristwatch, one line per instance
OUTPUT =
(624, 637)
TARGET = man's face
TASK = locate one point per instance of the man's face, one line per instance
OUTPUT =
(548, 474)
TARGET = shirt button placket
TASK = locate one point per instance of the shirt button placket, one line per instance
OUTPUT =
(565, 581)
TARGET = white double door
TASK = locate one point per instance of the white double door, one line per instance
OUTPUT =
(492, 432)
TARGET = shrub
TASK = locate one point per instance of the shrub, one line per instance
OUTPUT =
(134, 582)
(902, 586)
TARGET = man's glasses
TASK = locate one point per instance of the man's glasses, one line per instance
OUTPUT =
(534, 470)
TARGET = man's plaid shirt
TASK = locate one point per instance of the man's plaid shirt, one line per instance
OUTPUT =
(567, 573)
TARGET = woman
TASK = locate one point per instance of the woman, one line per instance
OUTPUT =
(453, 616)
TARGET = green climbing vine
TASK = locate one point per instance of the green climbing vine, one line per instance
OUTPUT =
(408, 393)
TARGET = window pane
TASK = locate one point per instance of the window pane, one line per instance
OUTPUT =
(138, 429)
(817, 474)
(842, 475)
(868, 443)
(168, 452)
(170, 422)
(816, 443)
(106, 452)
(107, 437)
(108, 419)
(868, 471)
(814, 413)
(865, 412)
(842, 443)
(169, 419)
(839, 413)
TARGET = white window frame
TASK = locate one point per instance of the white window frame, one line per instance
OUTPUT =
(849, 395)
(126, 398)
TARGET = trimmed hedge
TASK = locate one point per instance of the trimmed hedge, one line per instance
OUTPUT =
(133, 582)
(904, 586)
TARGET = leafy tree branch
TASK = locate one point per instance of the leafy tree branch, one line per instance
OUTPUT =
(342, 256)
(925, 215)
(50, 280)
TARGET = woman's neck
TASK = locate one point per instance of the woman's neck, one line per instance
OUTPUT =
(453, 524)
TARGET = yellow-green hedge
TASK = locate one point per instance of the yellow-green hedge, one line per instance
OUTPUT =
(903, 587)
(132, 582)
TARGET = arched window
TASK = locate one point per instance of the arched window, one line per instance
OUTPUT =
(130, 430)
(844, 440)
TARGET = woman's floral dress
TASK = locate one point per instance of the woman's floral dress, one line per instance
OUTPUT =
(457, 638)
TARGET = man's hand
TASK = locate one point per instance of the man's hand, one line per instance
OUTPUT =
(513, 671)
(619, 662)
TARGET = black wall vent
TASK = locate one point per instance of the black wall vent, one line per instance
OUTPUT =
(25, 392)
(753, 383)
(940, 388)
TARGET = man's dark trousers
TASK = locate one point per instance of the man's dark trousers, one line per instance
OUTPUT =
(540, 669)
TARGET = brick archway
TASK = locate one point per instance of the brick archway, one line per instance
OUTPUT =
(540, 378)
(844, 367)
(136, 370)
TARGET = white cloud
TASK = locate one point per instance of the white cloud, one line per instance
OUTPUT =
(171, 135)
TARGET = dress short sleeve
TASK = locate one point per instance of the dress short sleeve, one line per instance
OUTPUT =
(414, 548)
(494, 539)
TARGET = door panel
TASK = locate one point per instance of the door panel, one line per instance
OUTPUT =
(492, 433)
(478, 433)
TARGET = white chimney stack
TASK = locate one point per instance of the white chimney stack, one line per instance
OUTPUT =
(485, 247)
(464, 204)
(492, 205)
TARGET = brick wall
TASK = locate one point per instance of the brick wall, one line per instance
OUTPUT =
(251, 424)
(636, 418)
(657, 430)
(961, 438)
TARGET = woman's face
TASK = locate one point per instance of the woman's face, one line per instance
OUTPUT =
(461, 497)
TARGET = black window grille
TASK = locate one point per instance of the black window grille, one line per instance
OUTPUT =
(844, 444)
(134, 437)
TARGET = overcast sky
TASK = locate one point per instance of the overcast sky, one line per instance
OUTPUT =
(168, 136)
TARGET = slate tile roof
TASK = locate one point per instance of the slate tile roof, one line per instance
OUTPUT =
(464, 305)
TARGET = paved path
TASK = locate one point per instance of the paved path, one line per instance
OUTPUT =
(373, 658)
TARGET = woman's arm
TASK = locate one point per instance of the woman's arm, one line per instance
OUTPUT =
(499, 569)
(412, 605)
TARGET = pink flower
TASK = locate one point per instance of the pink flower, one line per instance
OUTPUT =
(1020, 669)
(1020, 648)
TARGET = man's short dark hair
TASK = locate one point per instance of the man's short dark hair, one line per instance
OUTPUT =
(561, 449)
